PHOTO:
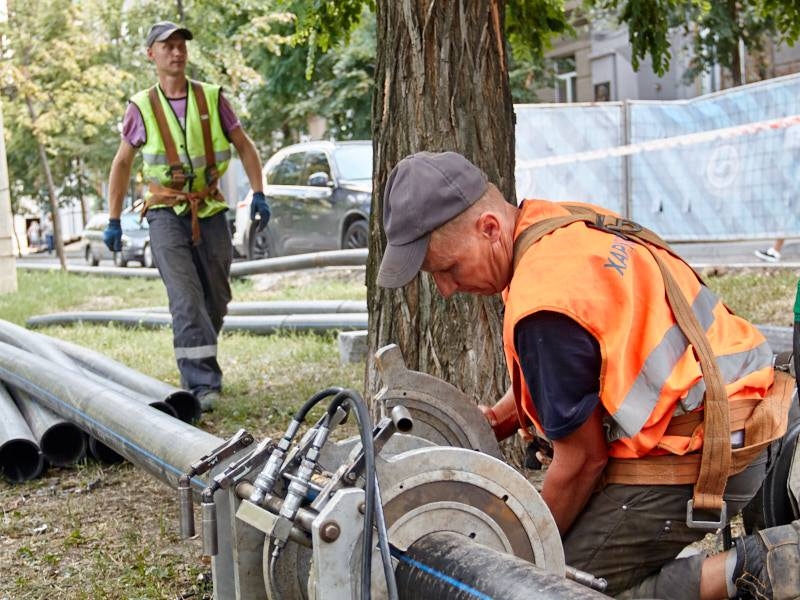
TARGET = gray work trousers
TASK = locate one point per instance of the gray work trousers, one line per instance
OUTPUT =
(198, 287)
(631, 534)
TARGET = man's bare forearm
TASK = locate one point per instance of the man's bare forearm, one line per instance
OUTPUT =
(119, 178)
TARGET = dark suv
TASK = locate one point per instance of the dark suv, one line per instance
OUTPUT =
(320, 195)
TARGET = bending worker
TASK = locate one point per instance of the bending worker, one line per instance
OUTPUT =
(185, 129)
(659, 403)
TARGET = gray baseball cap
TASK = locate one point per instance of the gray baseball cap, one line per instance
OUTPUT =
(424, 191)
(163, 29)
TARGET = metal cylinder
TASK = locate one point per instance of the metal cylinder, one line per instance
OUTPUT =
(208, 514)
(162, 446)
(451, 566)
(186, 508)
(20, 457)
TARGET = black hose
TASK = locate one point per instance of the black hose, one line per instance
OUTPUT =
(300, 415)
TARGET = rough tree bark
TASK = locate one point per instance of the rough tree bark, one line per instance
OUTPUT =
(441, 84)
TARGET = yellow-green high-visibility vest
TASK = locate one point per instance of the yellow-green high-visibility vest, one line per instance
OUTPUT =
(189, 144)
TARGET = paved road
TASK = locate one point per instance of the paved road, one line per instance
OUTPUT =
(734, 254)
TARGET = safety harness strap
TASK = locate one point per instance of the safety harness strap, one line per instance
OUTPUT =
(205, 124)
(715, 462)
(761, 421)
(174, 161)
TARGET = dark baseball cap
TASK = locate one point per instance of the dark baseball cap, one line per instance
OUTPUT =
(424, 191)
(163, 29)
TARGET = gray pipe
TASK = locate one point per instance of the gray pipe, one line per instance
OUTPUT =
(142, 273)
(334, 258)
(38, 344)
(20, 457)
(185, 405)
(62, 443)
(155, 442)
(247, 323)
(449, 565)
(277, 307)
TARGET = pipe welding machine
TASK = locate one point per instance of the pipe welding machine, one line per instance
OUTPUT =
(419, 506)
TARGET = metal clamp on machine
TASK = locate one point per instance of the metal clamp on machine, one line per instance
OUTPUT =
(238, 440)
(233, 473)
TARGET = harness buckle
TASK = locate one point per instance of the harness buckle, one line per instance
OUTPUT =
(617, 224)
(693, 523)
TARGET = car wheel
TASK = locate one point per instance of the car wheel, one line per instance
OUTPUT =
(147, 257)
(259, 243)
(91, 259)
(120, 260)
(355, 236)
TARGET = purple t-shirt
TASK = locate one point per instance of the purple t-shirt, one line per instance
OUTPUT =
(133, 130)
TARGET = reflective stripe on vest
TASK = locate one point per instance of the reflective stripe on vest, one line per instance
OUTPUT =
(649, 371)
(189, 143)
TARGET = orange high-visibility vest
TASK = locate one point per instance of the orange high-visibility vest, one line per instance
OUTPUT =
(649, 373)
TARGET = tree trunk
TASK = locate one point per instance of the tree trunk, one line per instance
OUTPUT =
(736, 55)
(51, 190)
(441, 84)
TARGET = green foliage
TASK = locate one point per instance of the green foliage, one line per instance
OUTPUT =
(715, 28)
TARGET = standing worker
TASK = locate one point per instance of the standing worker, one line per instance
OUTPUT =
(184, 129)
(663, 407)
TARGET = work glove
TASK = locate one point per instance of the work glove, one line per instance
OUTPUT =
(112, 236)
(259, 206)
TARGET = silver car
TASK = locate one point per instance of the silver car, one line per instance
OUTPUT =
(135, 241)
(319, 194)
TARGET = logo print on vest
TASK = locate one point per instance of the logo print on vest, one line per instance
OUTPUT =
(619, 254)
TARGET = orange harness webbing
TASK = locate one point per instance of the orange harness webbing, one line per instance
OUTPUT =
(173, 194)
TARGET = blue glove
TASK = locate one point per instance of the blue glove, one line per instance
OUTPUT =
(112, 236)
(259, 206)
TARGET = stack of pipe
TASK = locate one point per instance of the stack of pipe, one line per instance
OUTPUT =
(33, 435)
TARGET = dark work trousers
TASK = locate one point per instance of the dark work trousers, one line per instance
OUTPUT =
(198, 287)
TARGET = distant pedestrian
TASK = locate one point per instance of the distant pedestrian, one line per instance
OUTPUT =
(772, 254)
(47, 233)
(34, 235)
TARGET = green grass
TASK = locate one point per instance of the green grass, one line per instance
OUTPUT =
(265, 377)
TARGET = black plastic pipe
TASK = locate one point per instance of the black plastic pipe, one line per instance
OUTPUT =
(161, 445)
(451, 566)
(62, 443)
(185, 405)
(20, 457)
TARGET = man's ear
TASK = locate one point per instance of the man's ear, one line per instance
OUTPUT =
(489, 225)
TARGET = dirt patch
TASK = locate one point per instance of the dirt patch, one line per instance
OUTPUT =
(96, 532)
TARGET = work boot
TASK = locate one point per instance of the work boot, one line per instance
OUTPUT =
(768, 564)
(208, 399)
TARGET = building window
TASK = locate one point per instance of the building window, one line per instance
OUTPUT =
(566, 79)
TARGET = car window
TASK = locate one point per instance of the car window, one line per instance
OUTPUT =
(354, 161)
(98, 221)
(316, 162)
(130, 221)
(287, 171)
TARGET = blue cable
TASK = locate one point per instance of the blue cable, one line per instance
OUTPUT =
(460, 585)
